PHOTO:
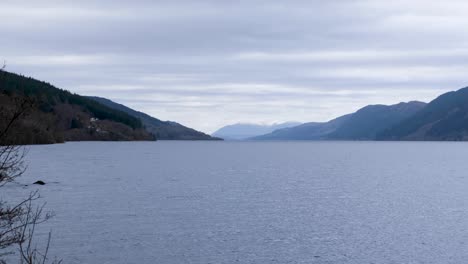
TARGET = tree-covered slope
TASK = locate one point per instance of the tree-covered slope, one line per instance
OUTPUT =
(367, 122)
(445, 118)
(163, 130)
(58, 115)
(364, 124)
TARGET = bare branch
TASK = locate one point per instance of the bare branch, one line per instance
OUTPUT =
(18, 222)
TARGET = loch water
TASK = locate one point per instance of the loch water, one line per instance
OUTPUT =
(175, 202)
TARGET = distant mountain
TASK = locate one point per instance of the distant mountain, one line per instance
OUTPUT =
(367, 122)
(445, 118)
(307, 131)
(364, 124)
(163, 130)
(243, 131)
(55, 115)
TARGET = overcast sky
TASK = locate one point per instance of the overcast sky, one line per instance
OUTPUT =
(207, 64)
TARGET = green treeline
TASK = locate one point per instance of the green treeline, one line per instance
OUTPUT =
(48, 96)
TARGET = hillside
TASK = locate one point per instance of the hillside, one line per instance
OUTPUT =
(367, 122)
(364, 124)
(445, 118)
(243, 131)
(307, 131)
(57, 115)
(163, 130)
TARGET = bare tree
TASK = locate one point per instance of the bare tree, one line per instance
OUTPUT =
(18, 222)
(17, 228)
(11, 155)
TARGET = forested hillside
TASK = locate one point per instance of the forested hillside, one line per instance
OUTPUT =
(55, 115)
(364, 124)
(163, 130)
(445, 118)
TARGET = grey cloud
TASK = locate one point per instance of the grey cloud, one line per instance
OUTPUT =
(231, 61)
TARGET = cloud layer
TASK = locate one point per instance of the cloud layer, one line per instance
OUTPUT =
(211, 63)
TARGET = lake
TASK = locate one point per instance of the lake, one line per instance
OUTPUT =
(253, 202)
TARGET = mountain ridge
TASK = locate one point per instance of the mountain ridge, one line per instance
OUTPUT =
(55, 115)
(241, 131)
(363, 124)
(444, 118)
(370, 120)
(162, 130)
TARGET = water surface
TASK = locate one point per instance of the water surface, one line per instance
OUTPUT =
(254, 202)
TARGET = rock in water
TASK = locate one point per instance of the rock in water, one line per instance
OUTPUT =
(39, 183)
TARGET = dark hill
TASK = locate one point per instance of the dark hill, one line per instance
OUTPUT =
(367, 122)
(164, 130)
(364, 124)
(445, 118)
(307, 131)
(57, 115)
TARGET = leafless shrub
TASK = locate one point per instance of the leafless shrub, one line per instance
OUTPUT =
(18, 222)
(11, 155)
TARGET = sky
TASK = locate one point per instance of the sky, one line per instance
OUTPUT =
(207, 64)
